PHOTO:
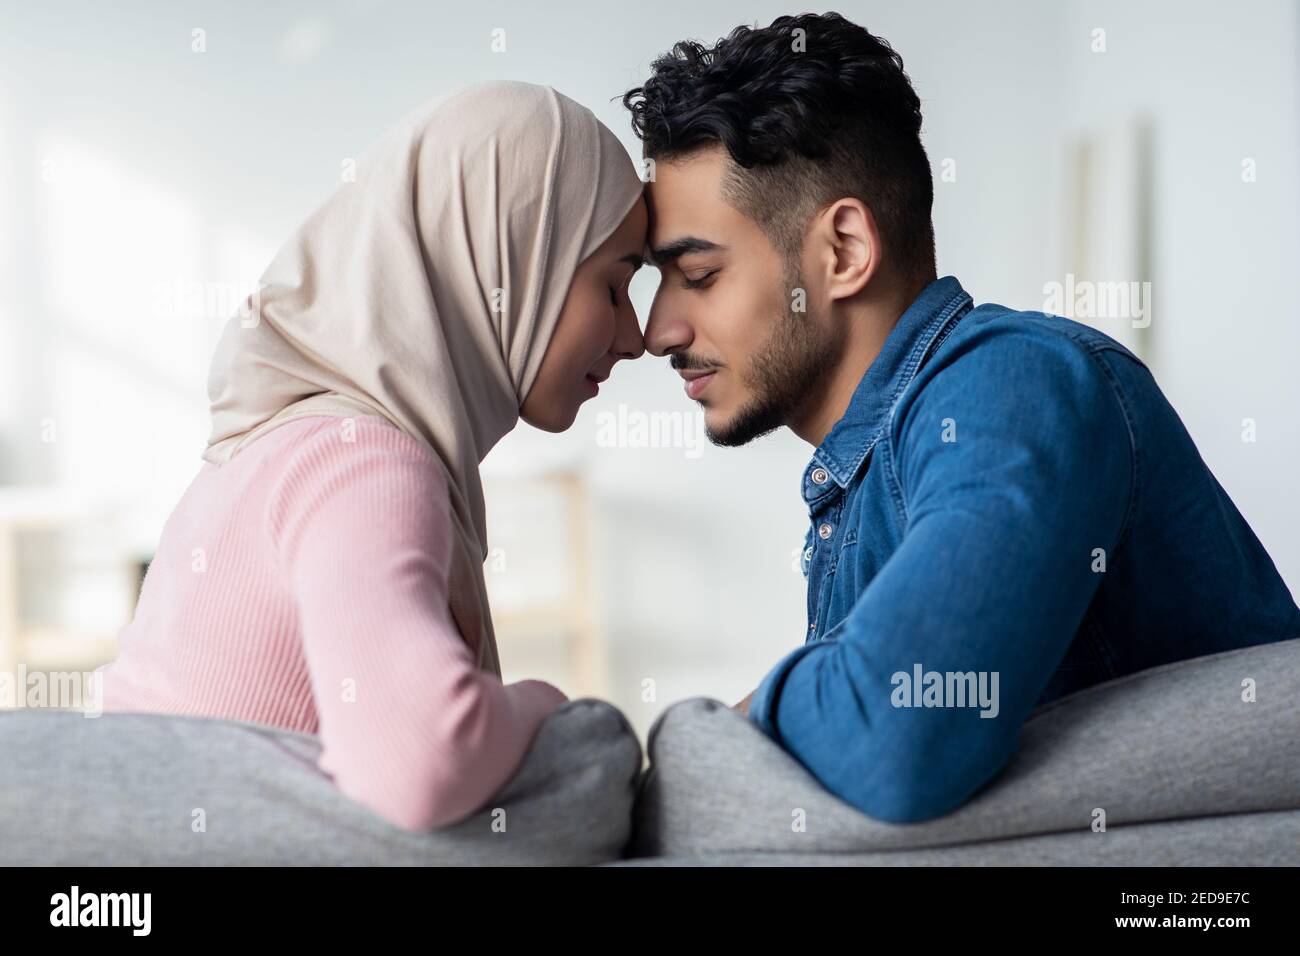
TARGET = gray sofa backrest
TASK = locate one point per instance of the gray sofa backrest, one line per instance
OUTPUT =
(146, 789)
(1177, 741)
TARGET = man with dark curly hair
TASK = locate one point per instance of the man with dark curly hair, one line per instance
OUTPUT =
(1004, 507)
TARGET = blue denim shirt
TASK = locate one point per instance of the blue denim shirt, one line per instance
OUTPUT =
(1009, 511)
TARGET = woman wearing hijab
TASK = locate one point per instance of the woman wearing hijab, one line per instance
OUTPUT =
(324, 570)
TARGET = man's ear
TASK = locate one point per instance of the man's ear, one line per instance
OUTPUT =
(850, 247)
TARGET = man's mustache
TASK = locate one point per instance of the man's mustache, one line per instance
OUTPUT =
(685, 360)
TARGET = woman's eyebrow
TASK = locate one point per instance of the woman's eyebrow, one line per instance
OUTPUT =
(634, 259)
(671, 251)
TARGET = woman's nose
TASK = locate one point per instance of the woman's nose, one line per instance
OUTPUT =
(628, 341)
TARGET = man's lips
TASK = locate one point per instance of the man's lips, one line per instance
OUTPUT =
(697, 380)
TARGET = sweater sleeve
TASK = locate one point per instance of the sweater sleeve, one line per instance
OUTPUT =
(410, 728)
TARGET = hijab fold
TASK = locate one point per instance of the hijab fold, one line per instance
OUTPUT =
(426, 290)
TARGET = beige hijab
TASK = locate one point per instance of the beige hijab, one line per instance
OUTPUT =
(426, 291)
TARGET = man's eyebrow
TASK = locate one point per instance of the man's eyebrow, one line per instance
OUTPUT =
(671, 251)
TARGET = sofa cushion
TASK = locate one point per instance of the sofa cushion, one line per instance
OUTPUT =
(1174, 742)
(146, 789)
(1230, 840)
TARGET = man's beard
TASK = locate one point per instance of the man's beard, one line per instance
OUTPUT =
(784, 373)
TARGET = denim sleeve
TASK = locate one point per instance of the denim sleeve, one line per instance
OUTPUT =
(1014, 462)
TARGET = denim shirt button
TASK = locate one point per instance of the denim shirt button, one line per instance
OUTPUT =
(807, 553)
(819, 476)
(825, 531)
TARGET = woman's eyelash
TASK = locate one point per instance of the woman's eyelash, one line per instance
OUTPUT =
(699, 283)
(615, 289)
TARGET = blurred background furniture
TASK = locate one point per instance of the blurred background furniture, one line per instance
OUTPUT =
(44, 510)
(540, 585)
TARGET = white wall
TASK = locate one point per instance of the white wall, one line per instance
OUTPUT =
(1225, 329)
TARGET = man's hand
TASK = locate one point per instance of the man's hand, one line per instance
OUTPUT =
(743, 706)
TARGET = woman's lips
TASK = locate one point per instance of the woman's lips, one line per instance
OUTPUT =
(696, 385)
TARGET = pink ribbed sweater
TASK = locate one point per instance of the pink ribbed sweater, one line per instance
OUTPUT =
(303, 584)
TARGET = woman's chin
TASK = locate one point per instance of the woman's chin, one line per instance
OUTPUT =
(552, 420)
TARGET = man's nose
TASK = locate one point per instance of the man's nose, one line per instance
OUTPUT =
(666, 330)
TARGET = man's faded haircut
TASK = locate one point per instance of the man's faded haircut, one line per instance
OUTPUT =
(807, 118)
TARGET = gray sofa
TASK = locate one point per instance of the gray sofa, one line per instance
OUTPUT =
(1185, 770)
(147, 790)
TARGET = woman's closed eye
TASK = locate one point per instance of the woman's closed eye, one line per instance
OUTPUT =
(616, 290)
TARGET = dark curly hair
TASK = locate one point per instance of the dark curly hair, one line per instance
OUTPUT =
(807, 118)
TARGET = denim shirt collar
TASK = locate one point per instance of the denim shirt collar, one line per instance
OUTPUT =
(920, 329)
